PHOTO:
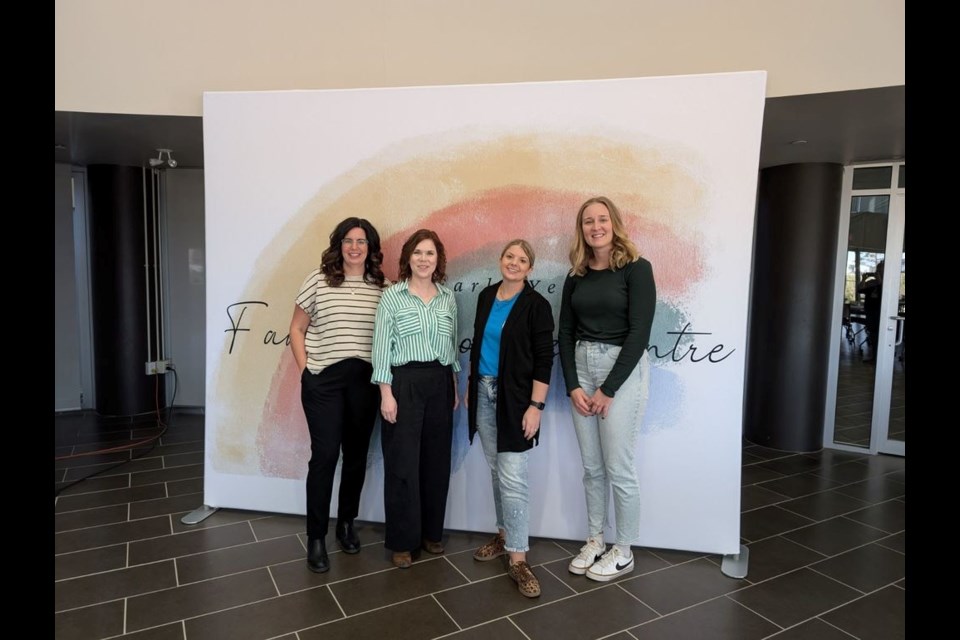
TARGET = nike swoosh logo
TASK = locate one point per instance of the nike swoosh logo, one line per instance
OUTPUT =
(621, 567)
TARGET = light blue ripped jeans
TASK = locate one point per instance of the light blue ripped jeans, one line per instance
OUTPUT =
(607, 445)
(508, 471)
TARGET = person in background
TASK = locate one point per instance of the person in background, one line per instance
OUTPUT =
(331, 336)
(415, 364)
(606, 314)
(510, 364)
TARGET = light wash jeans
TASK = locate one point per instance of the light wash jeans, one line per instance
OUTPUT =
(607, 445)
(508, 471)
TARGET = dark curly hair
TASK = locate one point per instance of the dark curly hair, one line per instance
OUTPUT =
(440, 273)
(331, 262)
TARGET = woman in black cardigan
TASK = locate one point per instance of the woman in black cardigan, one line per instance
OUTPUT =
(510, 363)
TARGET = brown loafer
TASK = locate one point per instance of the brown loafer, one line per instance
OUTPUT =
(491, 550)
(527, 583)
(432, 547)
(402, 560)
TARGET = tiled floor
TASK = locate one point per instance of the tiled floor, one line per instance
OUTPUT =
(826, 535)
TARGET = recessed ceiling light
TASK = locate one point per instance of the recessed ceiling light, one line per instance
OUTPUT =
(58, 147)
(798, 142)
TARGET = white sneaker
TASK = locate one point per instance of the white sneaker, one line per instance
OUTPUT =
(612, 565)
(589, 553)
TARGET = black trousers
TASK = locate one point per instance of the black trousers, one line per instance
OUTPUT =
(341, 405)
(416, 455)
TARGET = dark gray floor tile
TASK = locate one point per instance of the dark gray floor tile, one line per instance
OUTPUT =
(726, 620)
(107, 498)
(830, 457)
(752, 474)
(792, 465)
(276, 526)
(875, 489)
(213, 564)
(170, 449)
(295, 576)
(182, 459)
(176, 436)
(497, 630)
(99, 621)
(160, 607)
(103, 587)
(835, 535)
(898, 476)
(106, 470)
(775, 556)
(180, 487)
(172, 631)
(181, 544)
(93, 485)
(163, 506)
(421, 619)
(166, 475)
(845, 472)
(882, 463)
(766, 452)
(91, 463)
(878, 616)
(822, 506)
(815, 629)
(217, 519)
(794, 597)
(577, 618)
(89, 518)
(81, 563)
(681, 586)
(754, 496)
(800, 485)
(866, 568)
(486, 600)
(110, 534)
(749, 458)
(273, 617)
(769, 521)
(388, 587)
(888, 516)
(896, 542)
(674, 556)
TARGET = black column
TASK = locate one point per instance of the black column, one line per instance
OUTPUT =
(118, 291)
(798, 213)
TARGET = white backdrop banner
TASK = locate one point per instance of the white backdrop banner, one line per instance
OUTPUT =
(480, 165)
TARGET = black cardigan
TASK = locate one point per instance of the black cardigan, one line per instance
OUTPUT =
(526, 354)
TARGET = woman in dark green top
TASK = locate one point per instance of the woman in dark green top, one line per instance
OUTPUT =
(606, 313)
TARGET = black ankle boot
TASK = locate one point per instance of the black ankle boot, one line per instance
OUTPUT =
(347, 537)
(317, 560)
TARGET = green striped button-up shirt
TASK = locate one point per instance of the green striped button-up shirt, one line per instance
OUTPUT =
(407, 330)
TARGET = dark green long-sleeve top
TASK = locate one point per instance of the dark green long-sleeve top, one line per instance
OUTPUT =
(613, 307)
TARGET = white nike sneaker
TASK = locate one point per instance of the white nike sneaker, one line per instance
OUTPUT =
(611, 565)
(589, 553)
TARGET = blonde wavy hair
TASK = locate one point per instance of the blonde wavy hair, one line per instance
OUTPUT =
(624, 251)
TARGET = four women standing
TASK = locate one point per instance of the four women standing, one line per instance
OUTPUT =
(510, 364)
(607, 310)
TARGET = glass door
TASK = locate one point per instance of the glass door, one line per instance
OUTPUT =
(866, 400)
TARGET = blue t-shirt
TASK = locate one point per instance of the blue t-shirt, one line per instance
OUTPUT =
(490, 347)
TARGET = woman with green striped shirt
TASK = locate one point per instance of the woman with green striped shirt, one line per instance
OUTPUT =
(415, 364)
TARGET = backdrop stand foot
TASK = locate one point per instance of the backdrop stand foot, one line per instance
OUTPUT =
(201, 514)
(735, 565)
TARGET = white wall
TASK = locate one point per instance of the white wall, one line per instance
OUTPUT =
(66, 337)
(118, 56)
(186, 278)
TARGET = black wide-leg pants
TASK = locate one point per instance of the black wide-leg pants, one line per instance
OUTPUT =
(416, 455)
(340, 405)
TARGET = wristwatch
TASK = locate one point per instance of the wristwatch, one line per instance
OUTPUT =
(538, 405)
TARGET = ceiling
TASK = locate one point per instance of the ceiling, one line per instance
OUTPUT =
(843, 127)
